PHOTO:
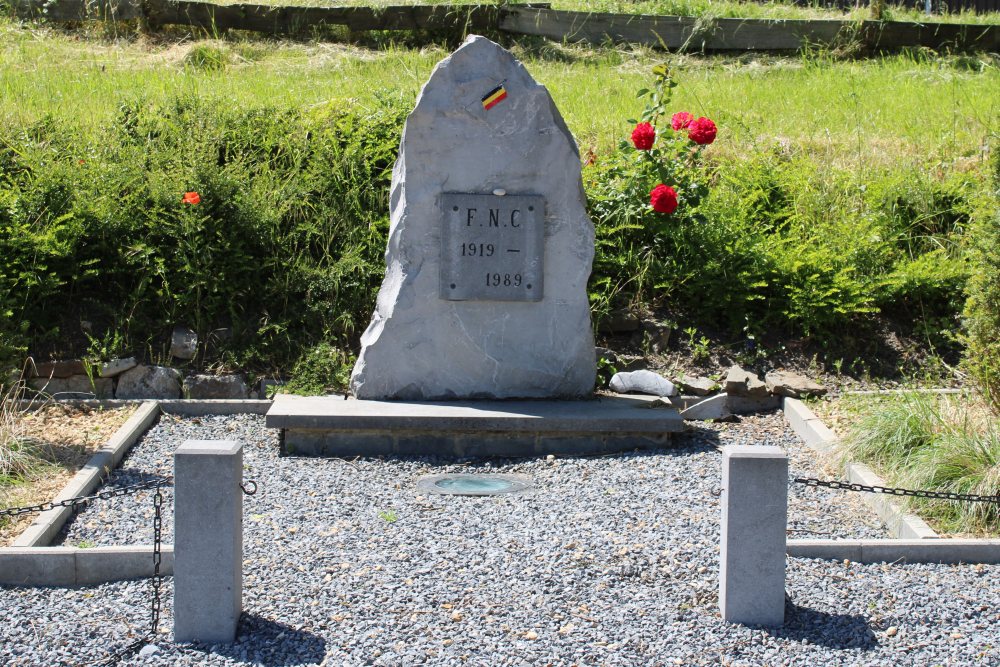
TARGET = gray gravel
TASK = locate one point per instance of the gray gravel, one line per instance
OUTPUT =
(613, 560)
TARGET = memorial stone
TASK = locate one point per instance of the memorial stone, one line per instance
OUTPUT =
(490, 246)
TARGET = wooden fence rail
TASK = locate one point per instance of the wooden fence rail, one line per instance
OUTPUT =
(669, 32)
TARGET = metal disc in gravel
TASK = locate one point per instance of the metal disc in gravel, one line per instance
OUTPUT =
(457, 484)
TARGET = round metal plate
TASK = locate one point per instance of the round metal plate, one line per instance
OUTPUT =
(465, 484)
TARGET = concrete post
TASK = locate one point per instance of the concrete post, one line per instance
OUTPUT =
(208, 541)
(754, 517)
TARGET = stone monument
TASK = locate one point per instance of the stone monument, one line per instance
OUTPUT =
(490, 246)
(485, 292)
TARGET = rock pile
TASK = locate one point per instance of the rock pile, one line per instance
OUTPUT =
(128, 379)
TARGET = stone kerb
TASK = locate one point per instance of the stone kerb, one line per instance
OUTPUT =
(489, 249)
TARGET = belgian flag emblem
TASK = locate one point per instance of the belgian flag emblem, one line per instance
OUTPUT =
(494, 97)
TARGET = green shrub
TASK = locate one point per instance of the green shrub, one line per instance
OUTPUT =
(788, 244)
(982, 310)
(321, 370)
(284, 248)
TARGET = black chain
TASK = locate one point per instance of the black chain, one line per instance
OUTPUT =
(892, 491)
(154, 621)
(77, 503)
(250, 488)
(83, 500)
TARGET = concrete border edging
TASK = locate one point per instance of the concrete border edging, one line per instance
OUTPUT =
(47, 524)
(901, 524)
(73, 566)
(175, 406)
(819, 438)
(947, 551)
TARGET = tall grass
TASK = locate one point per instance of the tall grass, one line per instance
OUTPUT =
(18, 457)
(937, 443)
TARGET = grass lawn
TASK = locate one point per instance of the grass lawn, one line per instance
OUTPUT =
(860, 114)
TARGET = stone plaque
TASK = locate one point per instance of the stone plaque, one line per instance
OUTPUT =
(492, 247)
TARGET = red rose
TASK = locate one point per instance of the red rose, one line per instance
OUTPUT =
(702, 131)
(680, 120)
(191, 198)
(663, 199)
(643, 136)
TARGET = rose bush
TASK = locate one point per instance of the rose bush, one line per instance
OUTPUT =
(645, 198)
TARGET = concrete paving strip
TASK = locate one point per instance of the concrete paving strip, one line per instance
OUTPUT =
(949, 551)
(73, 566)
(822, 440)
(181, 406)
(47, 524)
(189, 407)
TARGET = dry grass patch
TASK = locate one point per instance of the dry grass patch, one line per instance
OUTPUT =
(53, 443)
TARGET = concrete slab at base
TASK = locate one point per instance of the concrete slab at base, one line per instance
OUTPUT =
(332, 426)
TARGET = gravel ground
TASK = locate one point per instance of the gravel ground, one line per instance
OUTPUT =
(612, 560)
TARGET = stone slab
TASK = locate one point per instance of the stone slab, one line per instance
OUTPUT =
(75, 386)
(744, 405)
(38, 566)
(714, 407)
(478, 444)
(607, 415)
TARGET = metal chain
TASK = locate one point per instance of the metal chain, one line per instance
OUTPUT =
(84, 500)
(154, 621)
(250, 488)
(892, 491)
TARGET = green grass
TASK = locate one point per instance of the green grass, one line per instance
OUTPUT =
(914, 109)
(936, 443)
(19, 460)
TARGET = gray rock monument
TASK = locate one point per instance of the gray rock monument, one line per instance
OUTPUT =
(490, 246)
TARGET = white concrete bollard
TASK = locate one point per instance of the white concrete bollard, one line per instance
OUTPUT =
(754, 517)
(208, 541)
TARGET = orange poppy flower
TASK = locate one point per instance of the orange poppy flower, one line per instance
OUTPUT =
(191, 198)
